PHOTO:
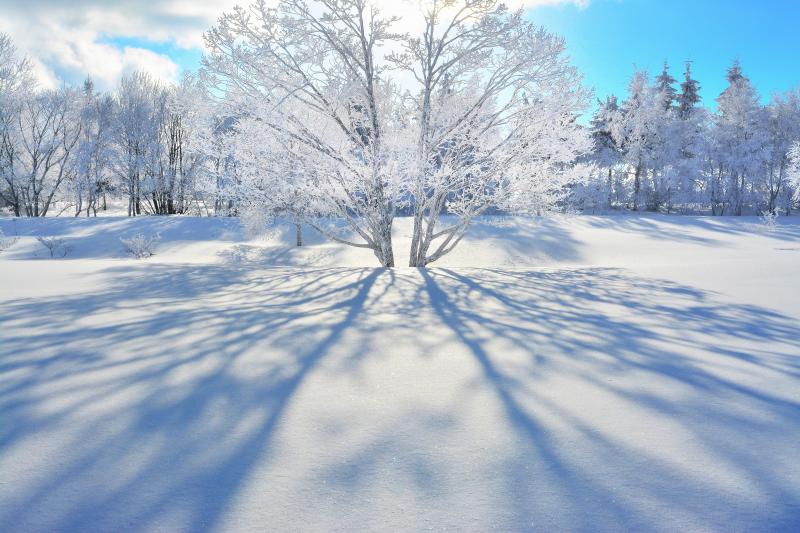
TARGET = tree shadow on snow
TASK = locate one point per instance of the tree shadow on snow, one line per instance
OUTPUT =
(536, 239)
(178, 407)
(194, 369)
(597, 327)
(674, 227)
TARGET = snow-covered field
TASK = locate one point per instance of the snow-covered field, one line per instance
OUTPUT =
(578, 374)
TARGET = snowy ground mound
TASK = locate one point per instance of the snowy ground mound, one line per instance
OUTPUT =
(580, 374)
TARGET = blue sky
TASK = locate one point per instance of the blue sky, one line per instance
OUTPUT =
(609, 38)
(606, 38)
(185, 58)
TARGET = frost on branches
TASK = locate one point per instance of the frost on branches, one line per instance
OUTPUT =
(315, 113)
(794, 169)
(495, 107)
(337, 116)
(660, 150)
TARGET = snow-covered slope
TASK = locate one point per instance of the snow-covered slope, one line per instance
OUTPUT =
(581, 374)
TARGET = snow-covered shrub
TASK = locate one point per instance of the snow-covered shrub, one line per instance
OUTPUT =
(6, 242)
(769, 220)
(57, 246)
(140, 246)
(255, 219)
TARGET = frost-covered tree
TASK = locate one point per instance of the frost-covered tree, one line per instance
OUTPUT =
(665, 173)
(310, 73)
(782, 131)
(73, 147)
(603, 189)
(346, 119)
(689, 97)
(665, 86)
(637, 132)
(650, 135)
(607, 152)
(216, 182)
(140, 101)
(689, 138)
(794, 173)
(264, 180)
(16, 82)
(682, 156)
(739, 138)
(191, 109)
(495, 108)
(94, 151)
(175, 155)
(47, 130)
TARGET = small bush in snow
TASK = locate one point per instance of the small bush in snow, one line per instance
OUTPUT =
(57, 246)
(769, 220)
(140, 246)
(6, 242)
(255, 221)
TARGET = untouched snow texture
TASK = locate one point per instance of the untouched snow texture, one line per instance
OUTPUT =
(583, 374)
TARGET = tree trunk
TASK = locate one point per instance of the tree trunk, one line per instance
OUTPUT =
(386, 256)
(298, 235)
(137, 202)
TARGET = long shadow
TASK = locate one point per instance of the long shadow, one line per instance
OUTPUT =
(99, 238)
(674, 227)
(457, 319)
(628, 403)
(599, 326)
(539, 237)
(192, 436)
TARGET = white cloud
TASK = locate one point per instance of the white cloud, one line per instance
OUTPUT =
(69, 39)
(72, 39)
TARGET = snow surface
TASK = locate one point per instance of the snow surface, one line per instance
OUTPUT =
(578, 374)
